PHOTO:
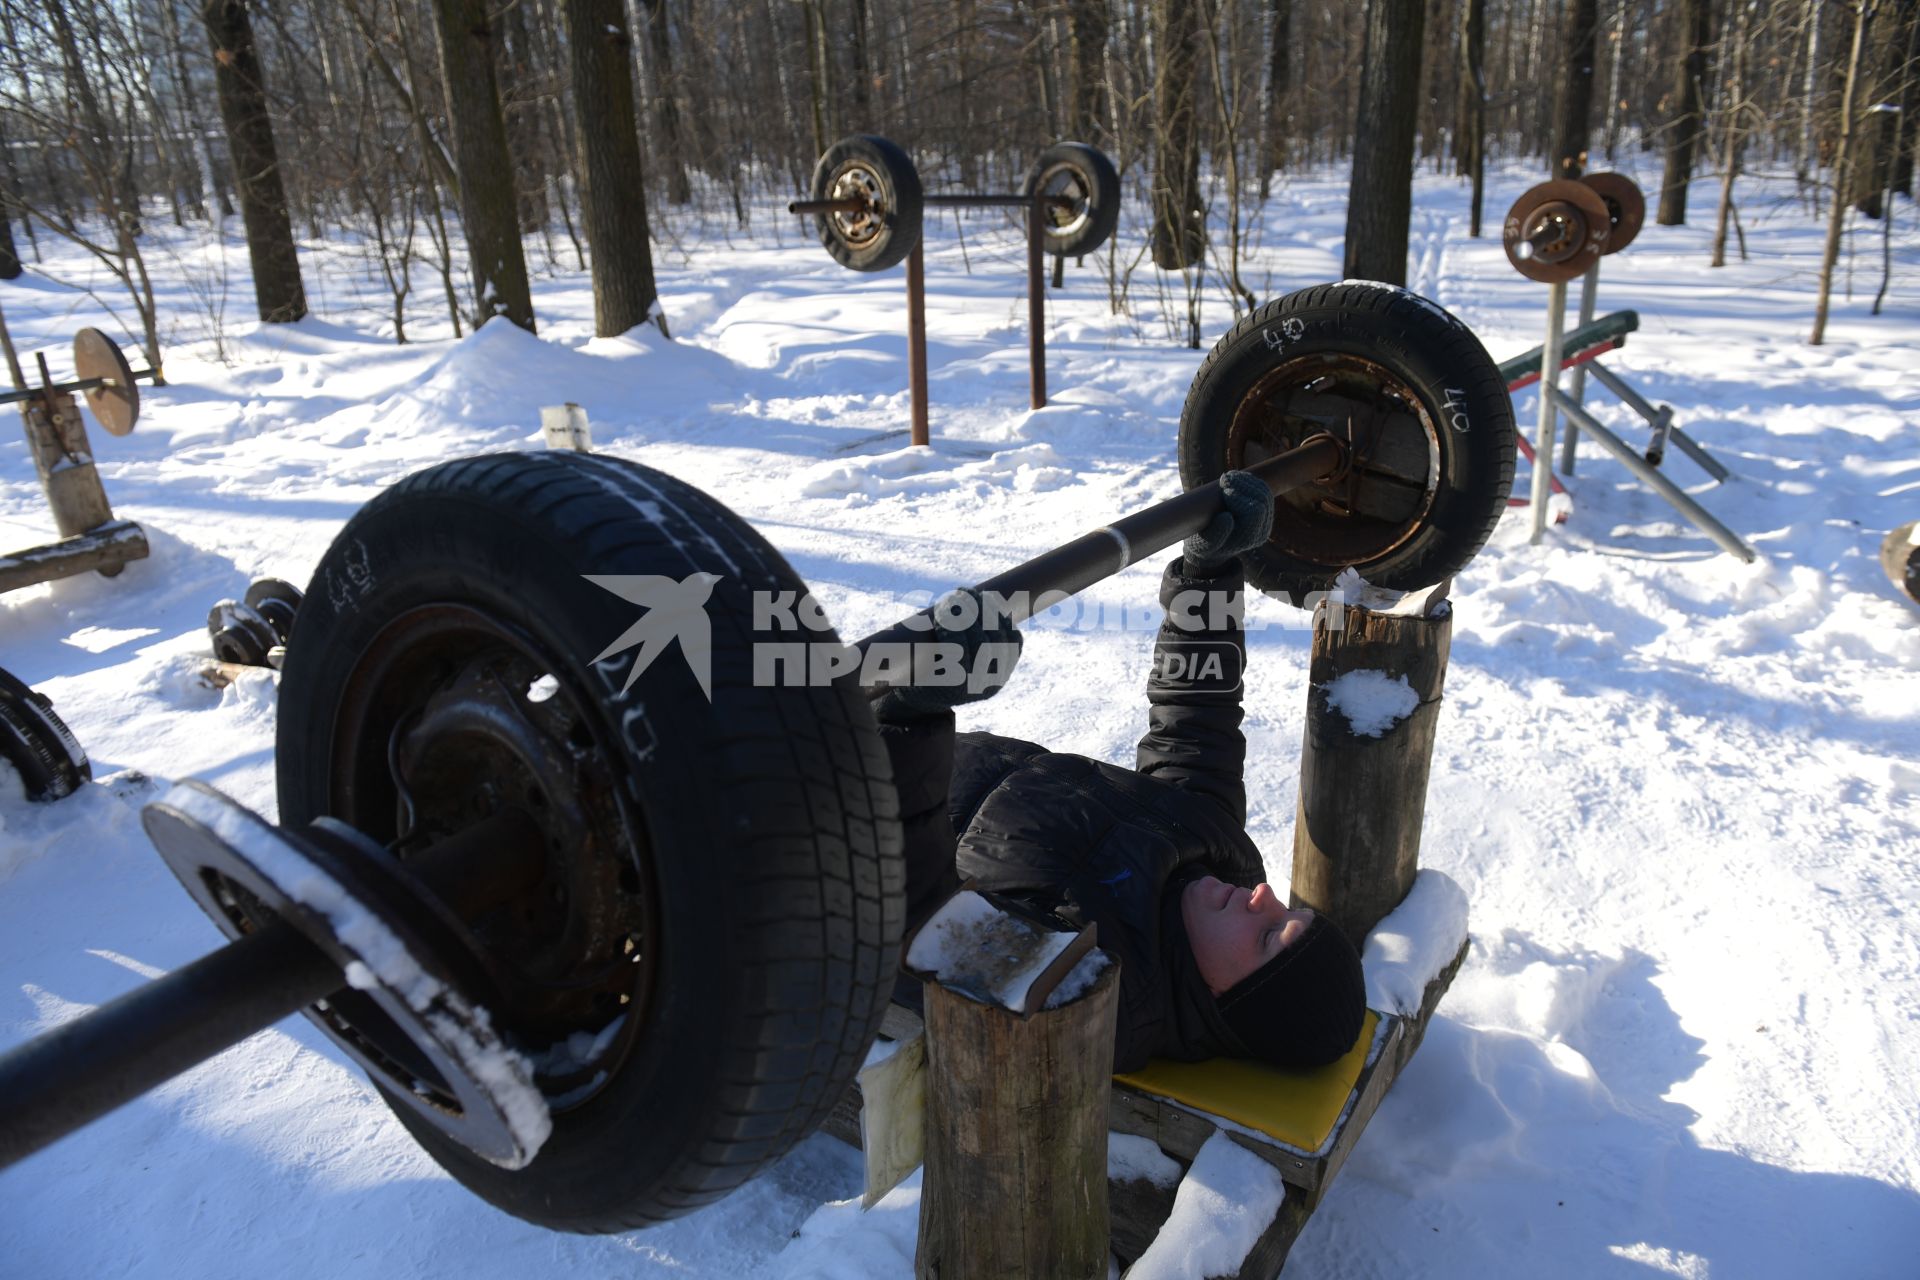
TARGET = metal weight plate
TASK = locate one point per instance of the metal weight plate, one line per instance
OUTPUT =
(276, 600)
(38, 744)
(1556, 231)
(117, 405)
(1626, 207)
(406, 1011)
(240, 634)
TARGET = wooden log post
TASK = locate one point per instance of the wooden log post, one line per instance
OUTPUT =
(1015, 1183)
(1363, 787)
(58, 438)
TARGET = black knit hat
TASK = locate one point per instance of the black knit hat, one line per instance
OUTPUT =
(1303, 1008)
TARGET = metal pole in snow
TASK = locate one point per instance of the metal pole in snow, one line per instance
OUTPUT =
(1549, 382)
(1577, 389)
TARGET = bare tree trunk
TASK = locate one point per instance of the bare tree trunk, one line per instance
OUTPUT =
(1684, 129)
(499, 266)
(1179, 235)
(1837, 212)
(1087, 25)
(1809, 162)
(1880, 137)
(522, 108)
(1614, 65)
(1572, 119)
(1902, 180)
(667, 109)
(1474, 82)
(861, 60)
(614, 196)
(1279, 91)
(277, 286)
(10, 206)
(1380, 193)
(1734, 138)
(816, 75)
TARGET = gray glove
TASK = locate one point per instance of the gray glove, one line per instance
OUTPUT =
(953, 664)
(1246, 523)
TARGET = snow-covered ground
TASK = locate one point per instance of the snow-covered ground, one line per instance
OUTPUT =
(1678, 790)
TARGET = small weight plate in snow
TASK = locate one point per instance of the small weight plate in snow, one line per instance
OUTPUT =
(277, 601)
(240, 634)
(38, 744)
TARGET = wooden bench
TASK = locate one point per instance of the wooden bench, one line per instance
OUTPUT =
(1305, 1126)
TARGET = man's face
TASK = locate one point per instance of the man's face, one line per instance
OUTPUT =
(1233, 931)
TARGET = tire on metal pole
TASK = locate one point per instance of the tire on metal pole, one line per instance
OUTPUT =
(1420, 402)
(38, 744)
(1087, 182)
(878, 173)
(703, 969)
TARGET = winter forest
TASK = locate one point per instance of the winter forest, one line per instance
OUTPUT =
(396, 126)
(394, 611)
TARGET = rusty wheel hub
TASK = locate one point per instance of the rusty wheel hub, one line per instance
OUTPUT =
(453, 718)
(1380, 497)
(859, 227)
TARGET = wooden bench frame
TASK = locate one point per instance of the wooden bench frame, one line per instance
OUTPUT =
(1140, 1208)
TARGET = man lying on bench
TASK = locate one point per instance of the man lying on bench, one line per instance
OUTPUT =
(1212, 962)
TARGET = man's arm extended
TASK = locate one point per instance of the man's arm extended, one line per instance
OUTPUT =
(1193, 737)
(1193, 727)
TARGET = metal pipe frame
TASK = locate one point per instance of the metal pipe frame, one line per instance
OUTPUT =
(1577, 385)
(1549, 388)
(1657, 417)
(917, 292)
(1632, 461)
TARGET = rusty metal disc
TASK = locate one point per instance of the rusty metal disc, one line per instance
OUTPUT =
(1626, 207)
(1556, 231)
(116, 405)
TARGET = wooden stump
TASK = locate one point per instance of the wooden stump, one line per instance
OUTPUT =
(64, 459)
(1016, 1163)
(1356, 836)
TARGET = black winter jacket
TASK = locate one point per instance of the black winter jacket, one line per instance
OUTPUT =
(1094, 842)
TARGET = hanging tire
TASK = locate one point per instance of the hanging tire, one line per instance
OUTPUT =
(703, 969)
(872, 169)
(1084, 177)
(1411, 385)
(37, 743)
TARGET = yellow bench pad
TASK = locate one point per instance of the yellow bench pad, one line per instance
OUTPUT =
(1298, 1108)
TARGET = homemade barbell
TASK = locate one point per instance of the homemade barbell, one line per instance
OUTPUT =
(1554, 232)
(611, 928)
(90, 537)
(867, 204)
